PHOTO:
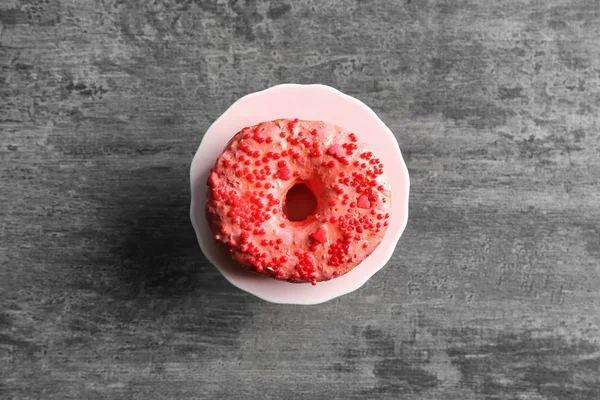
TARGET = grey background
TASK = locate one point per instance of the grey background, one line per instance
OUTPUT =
(492, 292)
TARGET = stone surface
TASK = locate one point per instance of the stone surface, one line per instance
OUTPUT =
(492, 293)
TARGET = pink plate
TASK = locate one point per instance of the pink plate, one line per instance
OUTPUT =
(310, 102)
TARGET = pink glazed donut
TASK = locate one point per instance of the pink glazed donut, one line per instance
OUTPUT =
(249, 184)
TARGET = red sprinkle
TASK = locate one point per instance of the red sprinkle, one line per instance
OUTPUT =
(320, 235)
(212, 179)
(258, 136)
(363, 202)
(336, 150)
(284, 173)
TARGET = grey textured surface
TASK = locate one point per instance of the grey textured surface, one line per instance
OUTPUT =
(492, 293)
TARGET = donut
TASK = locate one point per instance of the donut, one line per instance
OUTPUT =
(269, 172)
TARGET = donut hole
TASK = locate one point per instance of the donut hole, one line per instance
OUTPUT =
(300, 202)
